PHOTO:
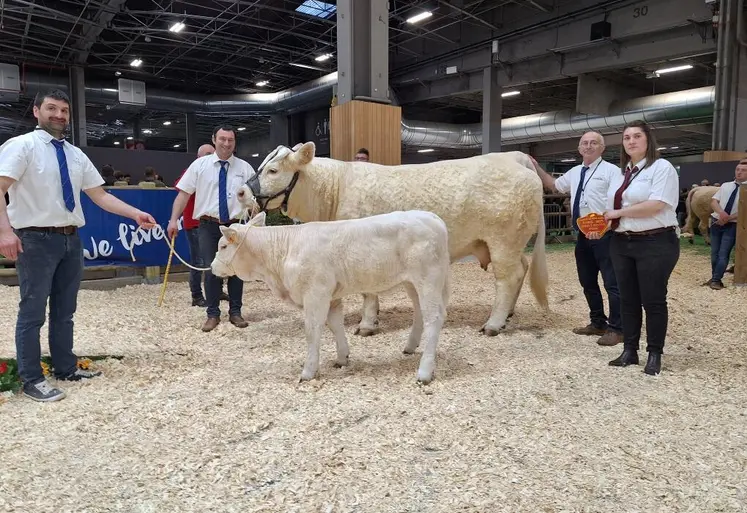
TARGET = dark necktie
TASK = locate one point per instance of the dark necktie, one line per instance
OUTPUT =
(617, 205)
(732, 199)
(222, 196)
(577, 199)
(67, 186)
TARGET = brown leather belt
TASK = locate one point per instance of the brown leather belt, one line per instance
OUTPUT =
(211, 219)
(65, 230)
(655, 231)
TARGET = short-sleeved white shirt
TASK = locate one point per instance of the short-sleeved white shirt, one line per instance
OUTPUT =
(595, 186)
(201, 179)
(722, 195)
(36, 195)
(659, 181)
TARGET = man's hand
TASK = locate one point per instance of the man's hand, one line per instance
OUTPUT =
(613, 214)
(10, 245)
(172, 229)
(144, 220)
(723, 218)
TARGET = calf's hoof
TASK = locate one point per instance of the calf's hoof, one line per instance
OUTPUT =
(366, 332)
(342, 363)
(491, 332)
(307, 376)
(425, 377)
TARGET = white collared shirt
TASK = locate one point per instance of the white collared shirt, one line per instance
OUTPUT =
(659, 181)
(595, 186)
(722, 195)
(36, 195)
(201, 179)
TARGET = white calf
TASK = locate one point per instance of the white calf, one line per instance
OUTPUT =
(315, 265)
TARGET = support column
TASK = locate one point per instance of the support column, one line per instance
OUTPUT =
(193, 142)
(78, 107)
(136, 129)
(492, 109)
(738, 125)
(279, 131)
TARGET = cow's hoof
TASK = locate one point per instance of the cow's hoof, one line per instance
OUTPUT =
(307, 376)
(425, 380)
(366, 332)
(339, 364)
(490, 332)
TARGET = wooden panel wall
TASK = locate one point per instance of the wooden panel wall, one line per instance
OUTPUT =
(375, 126)
(720, 156)
(740, 262)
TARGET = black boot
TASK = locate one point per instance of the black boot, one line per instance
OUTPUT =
(629, 356)
(653, 365)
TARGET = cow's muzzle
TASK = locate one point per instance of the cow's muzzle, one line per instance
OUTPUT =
(262, 199)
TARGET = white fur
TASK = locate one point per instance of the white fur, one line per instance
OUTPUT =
(491, 204)
(315, 265)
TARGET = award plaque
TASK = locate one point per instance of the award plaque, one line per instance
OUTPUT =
(592, 223)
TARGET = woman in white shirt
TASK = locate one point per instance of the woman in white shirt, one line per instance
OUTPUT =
(645, 246)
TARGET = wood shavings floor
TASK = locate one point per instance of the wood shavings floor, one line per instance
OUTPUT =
(532, 420)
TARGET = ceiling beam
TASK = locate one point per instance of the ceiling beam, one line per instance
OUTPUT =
(91, 33)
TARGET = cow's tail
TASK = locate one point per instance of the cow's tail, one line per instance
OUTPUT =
(691, 219)
(538, 277)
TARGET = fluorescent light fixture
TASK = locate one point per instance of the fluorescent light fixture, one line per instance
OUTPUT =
(419, 17)
(116, 143)
(316, 8)
(262, 83)
(306, 66)
(510, 93)
(322, 58)
(568, 160)
(241, 128)
(147, 131)
(255, 154)
(130, 138)
(177, 27)
(675, 68)
(427, 150)
(661, 149)
(136, 63)
(674, 148)
(167, 123)
(177, 145)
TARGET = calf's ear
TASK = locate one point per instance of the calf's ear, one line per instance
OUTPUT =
(258, 220)
(229, 234)
(304, 154)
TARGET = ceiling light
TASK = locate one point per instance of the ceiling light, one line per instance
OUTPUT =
(427, 150)
(676, 68)
(136, 63)
(177, 27)
(323, 58)
(306, 66)
(674, 148)
(510, 93)
(147, 131)
(177, 145)
(419, 17)
(568, 160)
(241, 128)
(116, 143)
(661, 149)
(167, 123)
(255, 154)
(130, 138)
(262, 83)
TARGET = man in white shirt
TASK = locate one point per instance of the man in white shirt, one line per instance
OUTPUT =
(214, 180)
(44, 175)
(725, 204)
(588, 184)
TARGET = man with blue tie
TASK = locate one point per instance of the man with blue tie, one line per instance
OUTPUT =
(43, 175)
(725, 204)
(214, 180)
(588, 184)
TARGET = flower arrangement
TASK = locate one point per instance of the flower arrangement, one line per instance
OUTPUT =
(11, 382)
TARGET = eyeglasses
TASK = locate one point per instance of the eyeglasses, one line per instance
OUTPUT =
(585, 144)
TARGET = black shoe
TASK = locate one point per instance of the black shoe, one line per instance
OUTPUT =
(628, 357)
(78, 375)
(653, 365)
(224, 297)
(200, 301)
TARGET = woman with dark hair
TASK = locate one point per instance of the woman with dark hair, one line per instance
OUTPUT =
(645, 245)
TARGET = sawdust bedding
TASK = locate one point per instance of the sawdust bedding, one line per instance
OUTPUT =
(531, 420)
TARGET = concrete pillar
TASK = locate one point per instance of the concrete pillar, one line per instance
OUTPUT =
(492, 109)
(193, 142)
(78, 107)
(738, 114)
(279, 131)
(362, 50)
(136, 129)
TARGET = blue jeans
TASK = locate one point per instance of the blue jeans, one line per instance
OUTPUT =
(195, 258)
(723, 239)
(593, 258)
(209, 237)
(50, 266)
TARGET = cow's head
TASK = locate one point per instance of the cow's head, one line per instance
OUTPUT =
(273, 183)
(230, 260)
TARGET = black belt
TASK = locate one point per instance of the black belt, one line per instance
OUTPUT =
(654, 231)
(65, 230)
(211, 219)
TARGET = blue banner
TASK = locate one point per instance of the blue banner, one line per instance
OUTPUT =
(107, 238)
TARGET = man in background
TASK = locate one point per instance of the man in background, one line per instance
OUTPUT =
(362, 155)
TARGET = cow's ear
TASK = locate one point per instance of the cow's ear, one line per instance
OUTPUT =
(258, 220)
(229, 234)
(304, 154)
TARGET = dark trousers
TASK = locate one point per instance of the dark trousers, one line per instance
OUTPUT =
(643, 264)
(723, 239)
(50, 267)
(209, 237)
(593, 258)
(195, 258)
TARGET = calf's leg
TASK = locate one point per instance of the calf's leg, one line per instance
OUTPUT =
(508, 270)
(433, 311)
(525, 266)
(335, 321)
(315, 314)
(369, 321)
(416, 332)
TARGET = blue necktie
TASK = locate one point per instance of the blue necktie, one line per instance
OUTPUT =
(67, 186)
(577, 200)
(222, 197)
(732, 198)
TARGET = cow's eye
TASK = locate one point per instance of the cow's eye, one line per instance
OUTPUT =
(223, 246)
(272, 171)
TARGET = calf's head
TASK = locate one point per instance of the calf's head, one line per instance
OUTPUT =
(276, 177)
(233, 257)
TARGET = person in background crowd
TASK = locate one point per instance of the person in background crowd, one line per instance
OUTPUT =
(213, 180)
(362, 155)
(107, 173)
(151, 176)
(588, 184)
(705, 182)
(44, 175)
(725, 204)
(645, 245)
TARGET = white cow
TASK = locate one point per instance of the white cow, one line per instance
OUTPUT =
(492, 205)
(315, 265)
